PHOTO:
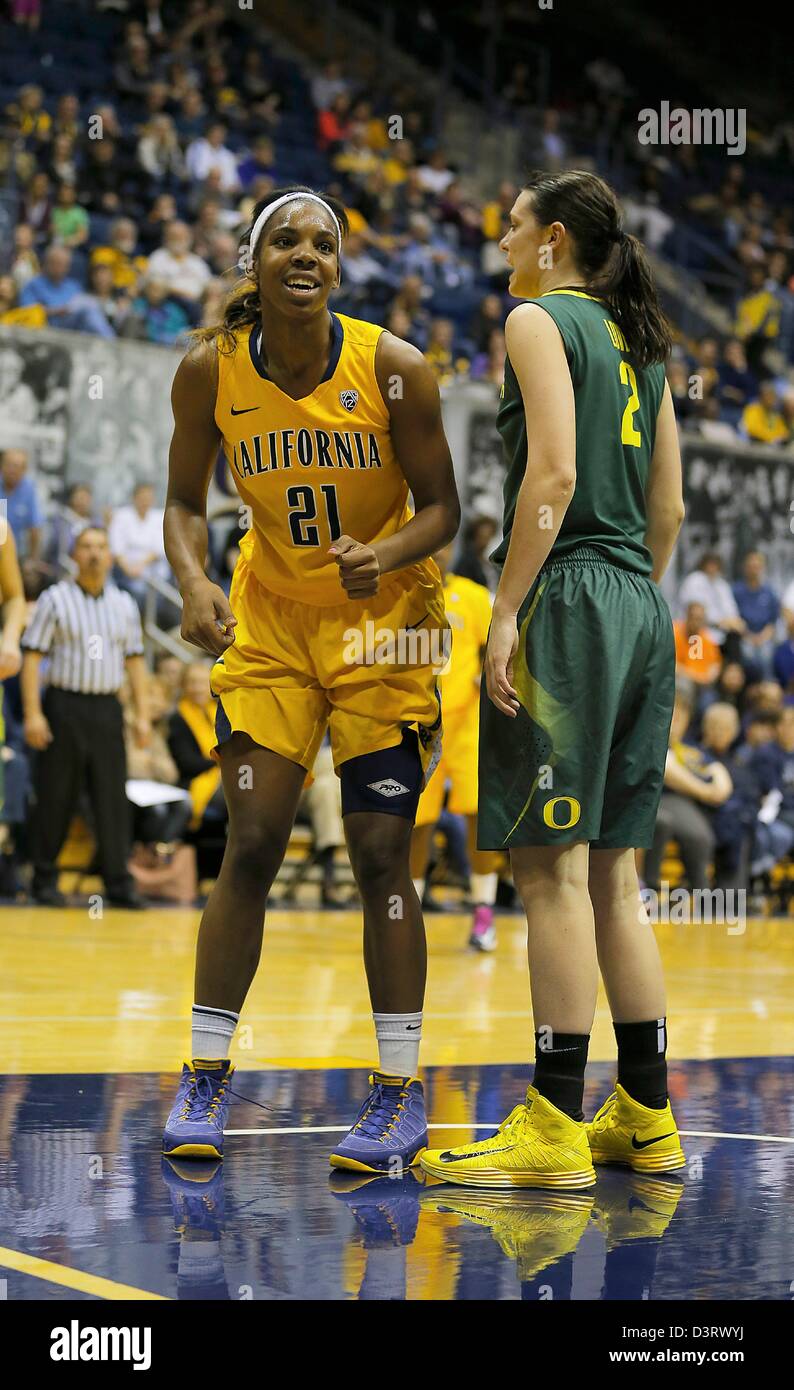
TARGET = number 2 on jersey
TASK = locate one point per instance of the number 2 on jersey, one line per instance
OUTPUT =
(303, 504)
(629, 434)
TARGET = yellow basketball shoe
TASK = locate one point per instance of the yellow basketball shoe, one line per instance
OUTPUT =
(624, 1131)
(536, 1146)
(533, 1228)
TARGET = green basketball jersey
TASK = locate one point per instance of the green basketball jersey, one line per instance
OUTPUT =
(616, 410)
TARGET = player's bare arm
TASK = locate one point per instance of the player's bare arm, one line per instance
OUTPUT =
(664, 497)
(409, 389)
(536, 351)
(207, 619)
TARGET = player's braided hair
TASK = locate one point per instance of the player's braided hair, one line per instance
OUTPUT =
(613, 262)
(242, 308)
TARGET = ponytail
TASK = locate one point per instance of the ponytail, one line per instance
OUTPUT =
(614, 264)
(626, 283)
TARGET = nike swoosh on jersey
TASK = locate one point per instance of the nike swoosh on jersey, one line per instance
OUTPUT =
(646, 1143)
(246, 410)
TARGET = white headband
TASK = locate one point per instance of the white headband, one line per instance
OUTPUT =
(247, 253)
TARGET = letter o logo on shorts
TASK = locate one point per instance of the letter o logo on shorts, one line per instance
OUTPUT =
(574, 812)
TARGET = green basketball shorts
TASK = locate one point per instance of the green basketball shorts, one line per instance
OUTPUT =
(595, 674)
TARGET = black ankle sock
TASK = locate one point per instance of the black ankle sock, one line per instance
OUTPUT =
(642, 1061)
(560, 1060)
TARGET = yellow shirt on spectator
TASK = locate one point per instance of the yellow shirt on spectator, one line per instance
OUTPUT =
(493, 218)
(767, 426)
(35, 316)
(758, 313)
(126, 269)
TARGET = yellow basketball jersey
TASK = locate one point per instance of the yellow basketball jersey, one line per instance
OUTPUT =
(468, 609)
(314, 469)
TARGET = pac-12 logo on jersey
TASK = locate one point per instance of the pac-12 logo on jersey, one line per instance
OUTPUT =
(349, 399)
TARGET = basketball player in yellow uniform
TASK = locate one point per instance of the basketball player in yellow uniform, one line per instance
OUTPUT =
(468, 607)
(335, 620)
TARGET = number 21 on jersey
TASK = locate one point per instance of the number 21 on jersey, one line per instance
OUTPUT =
(302, 502)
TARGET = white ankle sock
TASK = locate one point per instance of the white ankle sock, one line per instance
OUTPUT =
(213, 1030)
(398, 1042)
(483, 889)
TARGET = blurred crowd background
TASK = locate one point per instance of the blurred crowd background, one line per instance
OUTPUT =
(135, 138)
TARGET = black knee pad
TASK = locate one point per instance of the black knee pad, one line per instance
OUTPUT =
(389, 781)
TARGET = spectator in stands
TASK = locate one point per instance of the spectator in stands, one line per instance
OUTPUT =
(155, 316)
(134, 72)
(693, 784)
(327, 85)
(210, 152)
(192, 115)
(136, 543)
(259, 162)
(435, 175)
(12, 313)
(77, 730)
(761, 421)
(161, 824)
(490, 365)
(28, 117)
(169, 670)
(162, 211)
(707, 585)
(410, 297)
(101, 177)
(697, 657)
(440, 352)
(24, 513)
(710, 423)
(67, 304)
(334, 125)
(774, 839)
(69, 222)
(191, 738)
(160, 153)
(115, 305)
(737, 385)
(731, 685)
(490, 314)
(757, 318)
(25, 263)
(176, 266)
(66, 524)
(120, 254)
(62, 166)
(759, 607)
(37, 207)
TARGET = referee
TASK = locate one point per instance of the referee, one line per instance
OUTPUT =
(88, 629)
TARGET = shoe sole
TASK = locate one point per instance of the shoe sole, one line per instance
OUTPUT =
(353, 1165)
(204, 1151)
(662, 1163)
(496, 1177)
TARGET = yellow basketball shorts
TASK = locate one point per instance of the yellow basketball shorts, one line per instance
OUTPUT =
(366, 669)
(457, 766)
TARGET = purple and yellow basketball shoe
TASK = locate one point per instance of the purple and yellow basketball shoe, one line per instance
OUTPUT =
(390, 1131)
(194, 1128)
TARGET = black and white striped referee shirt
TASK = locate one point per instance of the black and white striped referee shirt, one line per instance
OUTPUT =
(86, 637)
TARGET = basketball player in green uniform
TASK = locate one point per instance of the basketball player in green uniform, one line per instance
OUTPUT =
(579, 679)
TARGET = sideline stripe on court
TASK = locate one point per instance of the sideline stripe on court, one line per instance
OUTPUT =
(342, 1129)
(72, 1278)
